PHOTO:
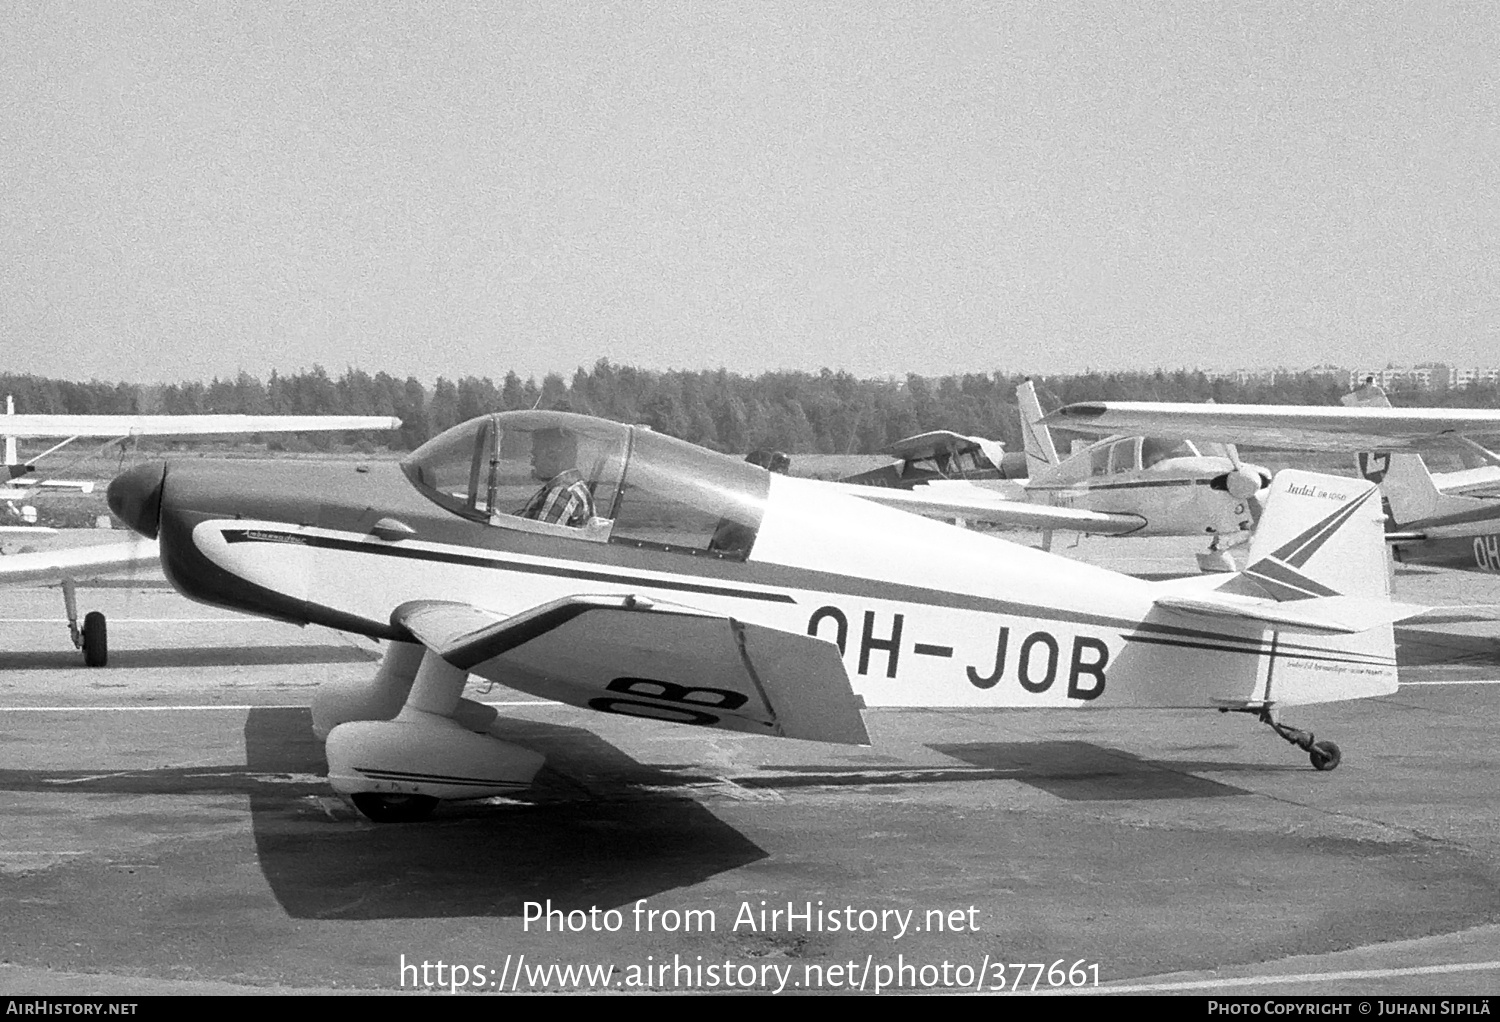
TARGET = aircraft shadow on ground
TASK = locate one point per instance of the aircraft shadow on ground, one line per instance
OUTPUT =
(191, 656)
(1083, 772)
(1077, 771)
(1424, 647)
(599, 828)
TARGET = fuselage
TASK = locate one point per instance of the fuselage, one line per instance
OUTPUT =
(1175, 497)
(925, 614)
(1177, 488)
(1466, 553)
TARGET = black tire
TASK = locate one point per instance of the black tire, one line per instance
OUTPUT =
(383, 807)
(95, 640)
(1324, 755)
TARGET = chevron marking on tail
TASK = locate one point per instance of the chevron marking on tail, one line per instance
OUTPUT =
(1277, 572)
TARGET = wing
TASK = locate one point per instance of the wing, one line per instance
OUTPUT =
(621, 654)
(925, 445)
(980, 504)
(183, 425)
(79, 562)
(1289, 427)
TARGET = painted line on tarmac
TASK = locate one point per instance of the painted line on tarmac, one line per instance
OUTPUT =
(1229, 983)
(235, 706)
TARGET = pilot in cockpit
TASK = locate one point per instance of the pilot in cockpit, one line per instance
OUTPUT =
(566, 498)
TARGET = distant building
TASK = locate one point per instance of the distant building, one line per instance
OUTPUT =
(1428, 376)
(1465, 378)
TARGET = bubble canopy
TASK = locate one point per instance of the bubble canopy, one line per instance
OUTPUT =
(584, 478)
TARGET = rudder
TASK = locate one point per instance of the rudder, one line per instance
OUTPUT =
(1041, 453)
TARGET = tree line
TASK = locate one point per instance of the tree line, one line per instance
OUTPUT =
(825, 412)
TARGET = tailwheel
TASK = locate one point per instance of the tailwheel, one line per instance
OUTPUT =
(95, 641)
(1324, 755)
(388, 807)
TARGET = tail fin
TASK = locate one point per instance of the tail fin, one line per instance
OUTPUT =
(1410, 492)
(1369, 396)
(10, 441)
(1320, 536)
(1040, 452)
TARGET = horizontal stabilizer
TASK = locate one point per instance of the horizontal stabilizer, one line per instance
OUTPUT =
(1335, 615)
(645, 658)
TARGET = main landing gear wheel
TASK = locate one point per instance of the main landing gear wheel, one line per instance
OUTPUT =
(385, 807)
(1324, 755)
(95, 640)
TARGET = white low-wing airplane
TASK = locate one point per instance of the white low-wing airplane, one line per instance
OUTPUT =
(1119, 486)
(613, 568)
(70, 566)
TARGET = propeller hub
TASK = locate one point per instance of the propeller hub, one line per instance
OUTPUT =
(1242, 483)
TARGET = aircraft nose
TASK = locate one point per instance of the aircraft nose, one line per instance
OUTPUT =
(1241, 483)
(135, 497)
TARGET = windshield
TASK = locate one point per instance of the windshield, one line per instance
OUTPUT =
(576, 476)
(1155, 449)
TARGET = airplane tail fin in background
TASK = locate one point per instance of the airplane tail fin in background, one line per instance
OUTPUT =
(1369, 396)
(10, 441)
(1320, 536)
(1041, 454)
(1410, 489)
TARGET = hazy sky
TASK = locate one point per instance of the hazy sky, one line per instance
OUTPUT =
(189, 189)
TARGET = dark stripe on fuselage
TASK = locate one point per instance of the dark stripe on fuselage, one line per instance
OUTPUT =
(1277, 649)
(821, 583)
(382, 774)
(468, 560)
(1085, 485)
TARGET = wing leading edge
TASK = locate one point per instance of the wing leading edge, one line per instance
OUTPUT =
(79, 562)
(1289, 427)
(183, 425)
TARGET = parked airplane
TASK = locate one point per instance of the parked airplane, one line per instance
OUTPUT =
(1428, 526)
(1438, 520)
(1123, 485)
(943, 455)
(69, 566)
(651, 578)
(1359, 427)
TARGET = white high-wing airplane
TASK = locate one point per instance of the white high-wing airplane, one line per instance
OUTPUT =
(1440, 519)
(1123, 485)
(69, 566)
(1444, 519)
(651, 578)
(1356, 427)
